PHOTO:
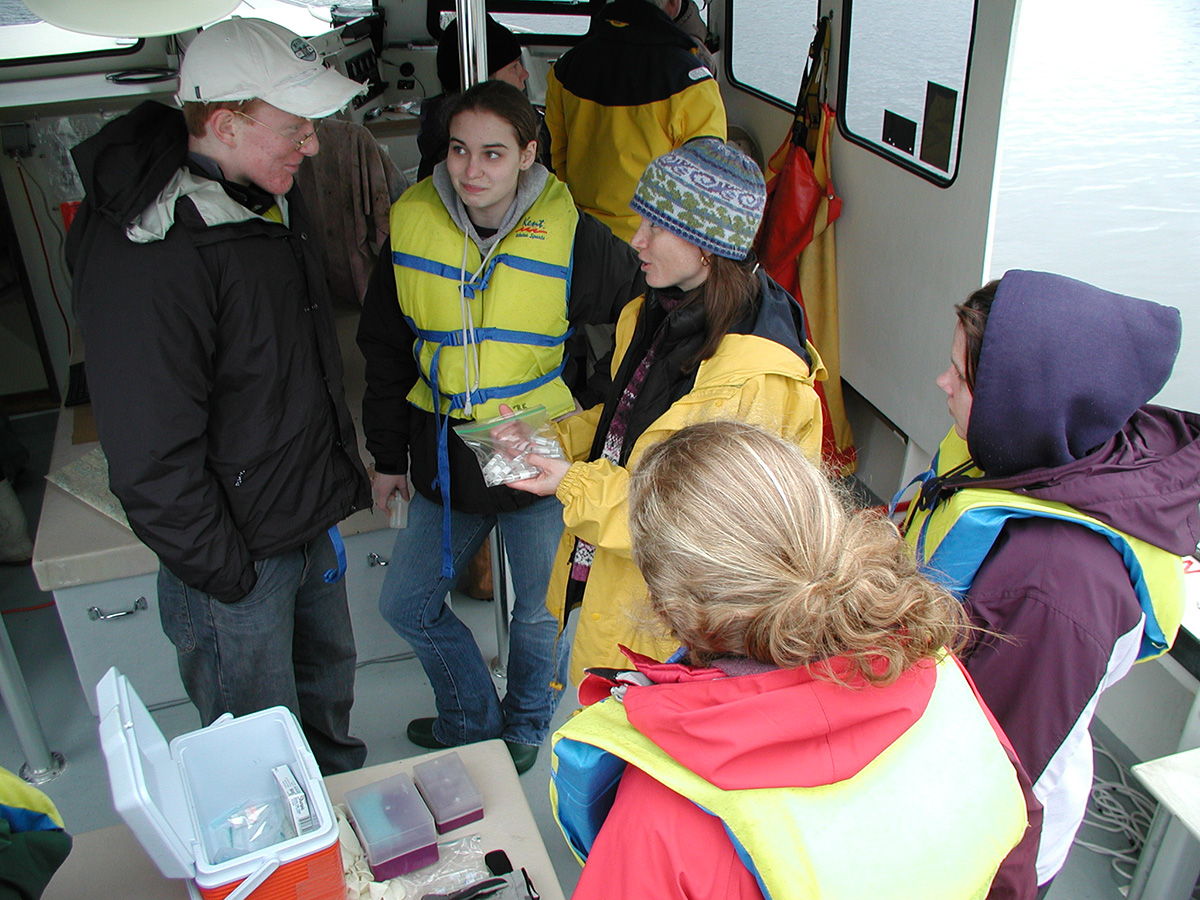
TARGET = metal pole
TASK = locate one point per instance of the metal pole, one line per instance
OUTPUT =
(472, 41)
(500, 600)
(41, 765)
(1153, 843)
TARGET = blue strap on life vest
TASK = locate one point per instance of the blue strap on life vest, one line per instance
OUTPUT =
(441, 340)
(957, 559)
(480, 282)
(21, 820)
(585, 781)
(333, 576)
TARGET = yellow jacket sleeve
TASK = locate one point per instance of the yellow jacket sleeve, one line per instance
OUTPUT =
(699, 112)
(577, 432)
(595, 495)
(595, 499)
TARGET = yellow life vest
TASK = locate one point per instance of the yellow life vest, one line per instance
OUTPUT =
(517, 301)
(932, 816)
(952, 539)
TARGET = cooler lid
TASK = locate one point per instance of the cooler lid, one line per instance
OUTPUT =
(147, 784)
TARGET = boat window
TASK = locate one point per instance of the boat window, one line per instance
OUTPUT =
(537, 21)
(768, 46)
(24, 38)
(904, 80)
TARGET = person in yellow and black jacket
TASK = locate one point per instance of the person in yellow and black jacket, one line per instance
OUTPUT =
(633, 89)
(491, 277)
(713, 338)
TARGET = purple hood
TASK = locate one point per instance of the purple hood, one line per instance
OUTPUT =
(1062, 368)
(1059, 410)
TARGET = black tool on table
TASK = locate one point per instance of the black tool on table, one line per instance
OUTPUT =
(498, 863)
(475, 891)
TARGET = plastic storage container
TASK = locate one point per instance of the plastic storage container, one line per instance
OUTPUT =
(393, 825)
(448, 791)
(170, 796)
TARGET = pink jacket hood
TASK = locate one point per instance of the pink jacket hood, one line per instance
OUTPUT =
(778, 728)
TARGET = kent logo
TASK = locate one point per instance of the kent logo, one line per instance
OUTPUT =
(532, 228)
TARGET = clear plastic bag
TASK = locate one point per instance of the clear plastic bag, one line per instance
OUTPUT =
(502, 444)
(460, 863)
(248, 827)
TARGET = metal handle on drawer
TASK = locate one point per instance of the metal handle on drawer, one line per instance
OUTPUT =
(95, 614)
(374, 559)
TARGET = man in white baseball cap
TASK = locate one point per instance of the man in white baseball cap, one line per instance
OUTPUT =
(216, 378)
(243, 59)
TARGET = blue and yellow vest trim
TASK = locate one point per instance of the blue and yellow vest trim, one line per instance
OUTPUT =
(932, 816)
(952, 539)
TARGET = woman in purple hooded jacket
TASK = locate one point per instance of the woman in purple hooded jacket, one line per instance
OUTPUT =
(1058, 508)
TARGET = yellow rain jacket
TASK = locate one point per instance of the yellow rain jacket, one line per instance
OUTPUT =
(750, 378)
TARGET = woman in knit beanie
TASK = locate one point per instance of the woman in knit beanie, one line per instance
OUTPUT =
(713, 337)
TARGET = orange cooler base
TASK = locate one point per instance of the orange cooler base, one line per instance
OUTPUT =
(317, 876)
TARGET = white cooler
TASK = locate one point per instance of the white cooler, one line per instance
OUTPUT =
(168, 795)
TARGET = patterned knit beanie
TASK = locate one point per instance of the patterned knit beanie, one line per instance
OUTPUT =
(706, 192)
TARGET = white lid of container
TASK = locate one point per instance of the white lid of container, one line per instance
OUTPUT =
(147, 785)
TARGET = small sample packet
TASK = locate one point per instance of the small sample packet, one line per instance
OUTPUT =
(502, 444)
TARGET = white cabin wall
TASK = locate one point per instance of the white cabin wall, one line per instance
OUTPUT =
(1146, 714)
(908, 250)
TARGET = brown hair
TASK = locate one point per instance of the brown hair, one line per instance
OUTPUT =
(749, 551)
(973, 316)
(500, 99)
(196, 114)
(729, 292)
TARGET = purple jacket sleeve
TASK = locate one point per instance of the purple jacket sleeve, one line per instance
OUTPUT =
(1057, 597)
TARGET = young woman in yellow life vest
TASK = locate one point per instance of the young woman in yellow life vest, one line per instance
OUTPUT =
(481, 299)
(813, 738)
(1058, 508)
(713, 338)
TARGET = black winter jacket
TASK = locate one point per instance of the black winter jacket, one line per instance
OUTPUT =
(213, 361)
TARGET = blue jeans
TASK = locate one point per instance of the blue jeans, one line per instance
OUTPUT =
(287, 643)
(413, 603)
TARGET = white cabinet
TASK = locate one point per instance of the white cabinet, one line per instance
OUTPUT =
(367, 556)
(116, 623)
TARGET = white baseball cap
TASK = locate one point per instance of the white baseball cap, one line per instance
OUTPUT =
(241, 59)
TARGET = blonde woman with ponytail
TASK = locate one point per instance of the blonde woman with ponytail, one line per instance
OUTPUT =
(814, 737)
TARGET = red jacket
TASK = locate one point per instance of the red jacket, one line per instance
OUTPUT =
(767, 728)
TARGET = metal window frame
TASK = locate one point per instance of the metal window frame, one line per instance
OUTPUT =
(575, 8)
(69, 57)
(879, 149)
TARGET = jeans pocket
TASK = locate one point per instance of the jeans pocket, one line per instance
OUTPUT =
(175, 611)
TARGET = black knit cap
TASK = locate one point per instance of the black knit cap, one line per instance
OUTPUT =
(502, 49)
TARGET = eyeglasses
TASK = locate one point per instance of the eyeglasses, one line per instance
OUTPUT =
(299, 143)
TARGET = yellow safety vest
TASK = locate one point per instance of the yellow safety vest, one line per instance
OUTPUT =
(932, 816)
(952, 540)
(518, 304)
